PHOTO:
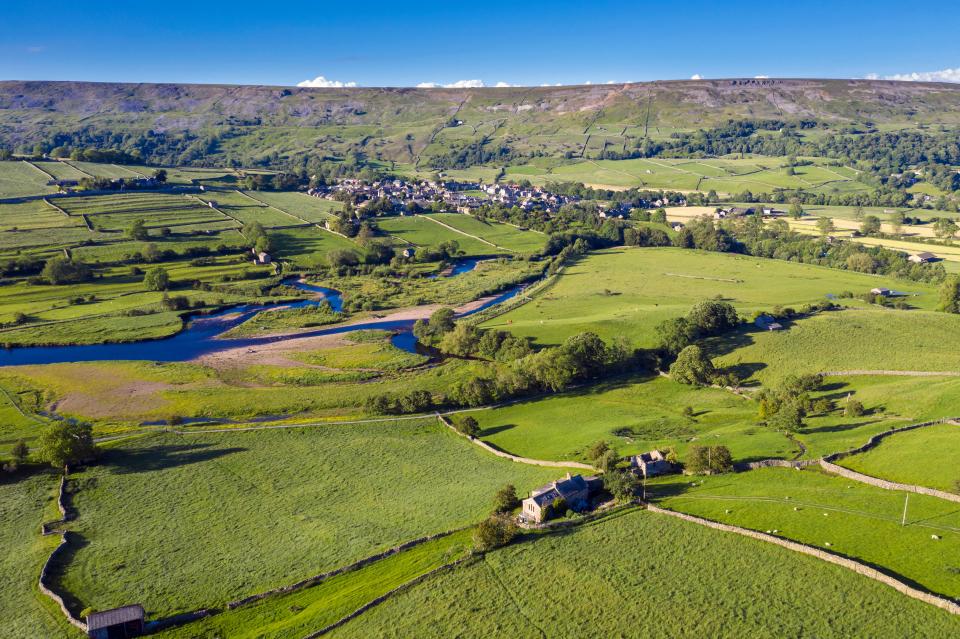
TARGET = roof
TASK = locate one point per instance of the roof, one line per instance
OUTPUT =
(133, 612)
(546, 497)
(925, 255)
(572, 485)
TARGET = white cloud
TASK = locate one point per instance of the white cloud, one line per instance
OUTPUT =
(459, 84)
(761, 77)
(696, 76)
(943, 75)
(503, 85)
(321, 82)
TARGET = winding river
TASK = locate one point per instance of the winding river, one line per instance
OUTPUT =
(200, 336)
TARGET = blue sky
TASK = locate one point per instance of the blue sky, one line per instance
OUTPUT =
(376, 43)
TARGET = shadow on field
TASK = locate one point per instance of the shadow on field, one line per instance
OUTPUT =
(837, 428)
(58, 567)
(154, 458)
(493, 430)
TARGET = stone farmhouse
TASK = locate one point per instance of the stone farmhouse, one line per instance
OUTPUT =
(575, 491)
(650, 464)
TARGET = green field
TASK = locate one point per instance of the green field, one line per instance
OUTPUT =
(846, 341)
(26, 501)
(633, 415)
(640, 574)
(19, 179)
(312, 209)
(938, 447)
(305, 611)
(829, 512)
(421, 231)
(260, 509)
(502, 235)
(627, 292)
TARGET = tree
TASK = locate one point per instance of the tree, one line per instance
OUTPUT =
(461, 341)
(862, 263)
(659, 216)
(676, 334)
(506, 499)
(339, 258)
(138, 231)
(708, 460)
(62, 270)
(693, 367)
(950, 294)
(945, 228)
(607, 462)
(20, 451)
(468, 426)
(711, 317)
(597, 450)
(870, 225)
(796, 210)
(65, 443)
(853, 408)
(160, 175)
(493, 532)
(157, 279)
(789, 417)
(896, 221)
(826, 226)
(622, 484)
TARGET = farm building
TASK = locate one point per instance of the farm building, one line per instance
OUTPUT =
(767, 323)
(263, 257)
(574, 490)
(880, 290)
(922, 257)
(118, 623)
(650, 464)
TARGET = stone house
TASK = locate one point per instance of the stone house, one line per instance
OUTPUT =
(573, 490)
(650, 464)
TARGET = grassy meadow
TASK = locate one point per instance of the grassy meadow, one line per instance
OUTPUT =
(938, 446)
(829, 512)
(633, 415)
(637, 574)
(628, 292)
(224, 515)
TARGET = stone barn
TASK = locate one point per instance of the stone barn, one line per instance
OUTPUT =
(118, 623)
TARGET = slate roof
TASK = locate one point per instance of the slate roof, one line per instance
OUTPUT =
(116, 616)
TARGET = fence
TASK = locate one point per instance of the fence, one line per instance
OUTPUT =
(887, 485)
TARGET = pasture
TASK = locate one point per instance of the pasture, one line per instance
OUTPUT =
(640, 574)
(849, 340)
(938, 446)
(634, 416)
(21, 179)
(302, 612)
(260, 509)
(420, 230)
(26, 501)
(628, 292)
(501, 235)
(831, 513)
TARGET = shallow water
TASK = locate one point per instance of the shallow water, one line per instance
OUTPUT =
(200, 336)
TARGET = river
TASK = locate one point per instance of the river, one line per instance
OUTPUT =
(200, 336)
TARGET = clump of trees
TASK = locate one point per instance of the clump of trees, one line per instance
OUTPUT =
(64, 270)
(708, 460)
(493, 532)
(785, 406)
(706, 319)
(505, 500)
(18, 454)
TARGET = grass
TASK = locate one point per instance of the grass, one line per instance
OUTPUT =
(305, 611)
(633, 415)
(627, 292)
(844, 341)
(640, 574)
(812, 507)
(421, 231)
(26, 501)
(503, 235)
(938, 446)
(19, 179)
(379, 354)
(313, 209)
(284, 319)
(256, 510)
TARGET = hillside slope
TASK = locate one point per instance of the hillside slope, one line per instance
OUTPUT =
(414, 125)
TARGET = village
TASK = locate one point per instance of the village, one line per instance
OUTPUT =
(463, 197)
